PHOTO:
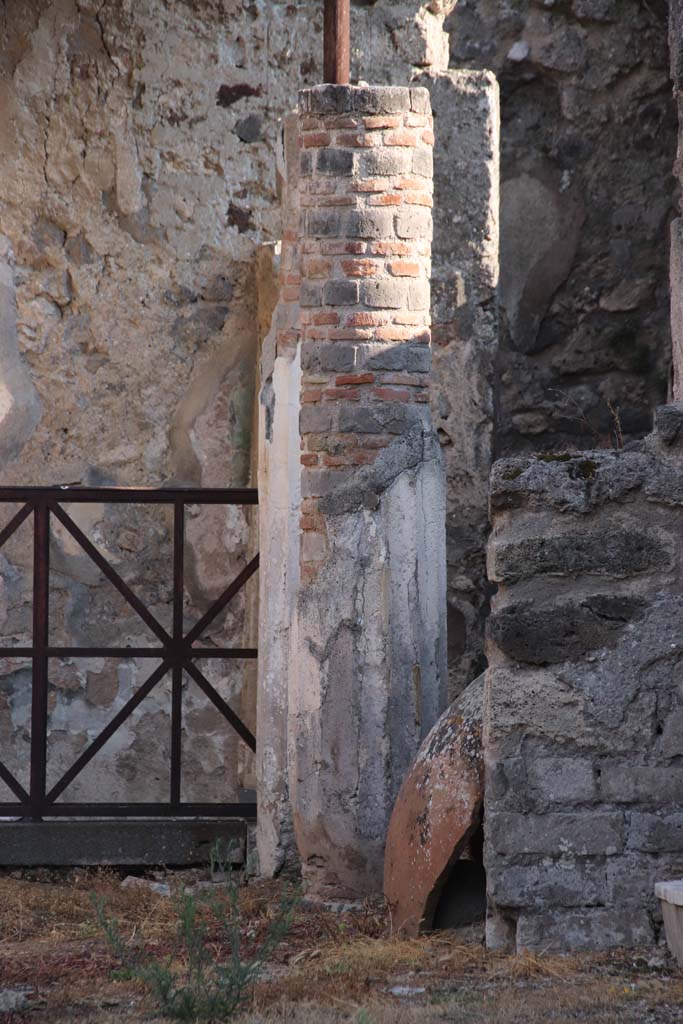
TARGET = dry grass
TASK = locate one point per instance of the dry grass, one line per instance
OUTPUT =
(333, 968)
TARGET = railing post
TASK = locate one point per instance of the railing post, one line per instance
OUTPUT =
(177, 673)
(41, 597)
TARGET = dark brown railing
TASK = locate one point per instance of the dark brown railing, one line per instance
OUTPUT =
(176, 649)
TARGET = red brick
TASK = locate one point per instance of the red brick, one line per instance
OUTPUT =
(335, 201)
(366, 319)
(316, 266)
(418, 199)
(360, 268)
(392, 394)
(428, 137)
(381, 121)
(311, 139)
(354, 378)
(390, 249)
(410, 183)
(350, 334)
(401, 137)
(374, 441)
(316, 333)
(409, 379)
(393, 333)
(309, 459)
(385, 199)
(357, 140)
(343, 248)
(335, 461)
(408, 318)
(405, 268)
(311, 396)
(320, 319)
(350, 394)
(372, 185)
(360, 458)
(312, 522)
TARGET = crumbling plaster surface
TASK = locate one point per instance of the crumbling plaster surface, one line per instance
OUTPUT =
(588, 139)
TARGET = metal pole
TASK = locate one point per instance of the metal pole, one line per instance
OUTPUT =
(177, 676)
(337, 43)
(41, 601)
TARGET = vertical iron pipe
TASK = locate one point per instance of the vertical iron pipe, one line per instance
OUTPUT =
(337, 42)
(177, 673)
(41, 599)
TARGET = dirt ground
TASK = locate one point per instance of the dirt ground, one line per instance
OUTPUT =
(333, 966)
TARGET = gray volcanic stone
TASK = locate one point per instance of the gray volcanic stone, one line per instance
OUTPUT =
(582, 834)
(537, 634)
(608, 551)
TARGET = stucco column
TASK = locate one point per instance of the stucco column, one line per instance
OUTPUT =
(368, 672)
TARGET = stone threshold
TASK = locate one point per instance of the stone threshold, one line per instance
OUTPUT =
(172, 842)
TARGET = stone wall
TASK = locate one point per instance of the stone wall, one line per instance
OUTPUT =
(583, 706)
(138, 183)
(676, 251)
(588, 140)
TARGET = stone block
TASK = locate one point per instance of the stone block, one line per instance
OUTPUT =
(564, 883)
(385, 417)
(583, 834)
(672, 737)
(321, 223)
(414, 222)
(357, 99)
(317, 419)
(668, 425)
(654, 833)
(561, 780)
(418, 295)
(418, 358)
(626, 782)
(420, 102)
(596, 928)
(617, 550)
(676, 290)
(316, 483)
(333, 358)
(676, 43)
(339, 162)
(595, 10)
(537, 633)
(386, 163)
(306, 163)
(423, 162)
(384, 293)
(340, 293)
(310, 294)
(565, 482)
(153, 842)
(370, 223)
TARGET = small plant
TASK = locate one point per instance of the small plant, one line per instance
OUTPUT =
(193, 983)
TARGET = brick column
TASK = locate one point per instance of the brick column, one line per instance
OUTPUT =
(369, 679)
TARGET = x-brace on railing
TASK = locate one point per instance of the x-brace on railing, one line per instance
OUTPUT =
(176, 652)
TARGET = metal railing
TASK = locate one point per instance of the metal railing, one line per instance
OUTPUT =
(176, 651)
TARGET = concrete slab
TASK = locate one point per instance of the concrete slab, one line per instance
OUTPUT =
(110, 841)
